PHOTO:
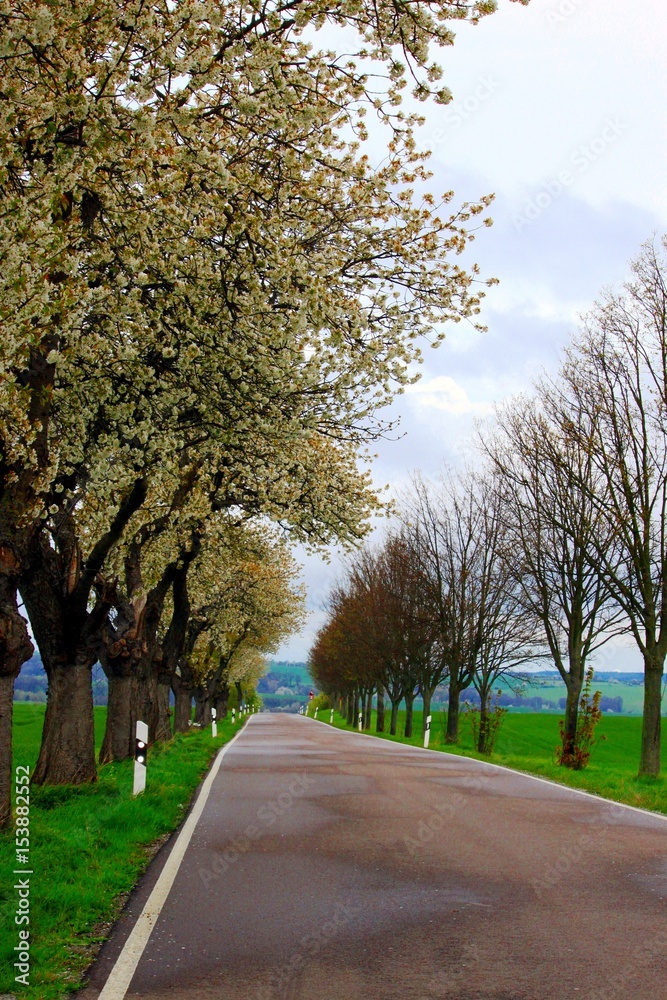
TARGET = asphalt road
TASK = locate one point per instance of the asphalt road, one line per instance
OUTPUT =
(331, 865)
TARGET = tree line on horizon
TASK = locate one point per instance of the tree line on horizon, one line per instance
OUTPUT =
(552, 545)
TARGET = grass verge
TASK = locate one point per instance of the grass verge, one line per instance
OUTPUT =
(89, 846)
(527, 742)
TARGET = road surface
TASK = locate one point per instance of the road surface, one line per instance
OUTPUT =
(332, 865)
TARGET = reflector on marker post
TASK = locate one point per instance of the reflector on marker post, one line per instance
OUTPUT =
(214, 726)
(427, 734)
(140, 755)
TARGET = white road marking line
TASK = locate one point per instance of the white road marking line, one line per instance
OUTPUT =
(498, 767)
(120, 976)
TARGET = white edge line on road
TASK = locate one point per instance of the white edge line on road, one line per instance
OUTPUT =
(120, 976)
(500, 767)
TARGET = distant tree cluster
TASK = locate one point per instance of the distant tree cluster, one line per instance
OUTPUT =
(436, 602)
(558, 544)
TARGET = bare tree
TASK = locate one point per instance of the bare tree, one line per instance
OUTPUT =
(546, 481)
(448, 527)
(344, 660)
(386, 577)
(508, 630)
(612, 397)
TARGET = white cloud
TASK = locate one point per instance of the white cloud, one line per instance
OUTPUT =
(555, 81)
(444, 393)
(533, 301)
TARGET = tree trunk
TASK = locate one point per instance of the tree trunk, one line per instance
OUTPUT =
(145, 694)
(163, 731)
(349, 706)
(68, 622)
(15, 649)
(649, 764)
(202, 707)
(177, 644)
(120, 657)
(6, 707)
(220, 701)
(409, 702)
(379, 721)
(355, 709)
(120, 731)
(452, 733)
(68, 638)
(182, 703)
(574, 685)
(67, 754)
(483, 735)
(393, 726)
(368, 709)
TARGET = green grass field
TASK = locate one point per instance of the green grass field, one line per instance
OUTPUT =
(89, 845)
(527, 742)
(632, 694)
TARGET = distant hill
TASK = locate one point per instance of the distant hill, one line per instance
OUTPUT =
(285, 686)
(287, 668)
(32, 683)
(600, 676)
(291, 679)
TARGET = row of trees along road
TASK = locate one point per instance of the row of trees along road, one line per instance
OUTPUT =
(207, 293)
(557, 544)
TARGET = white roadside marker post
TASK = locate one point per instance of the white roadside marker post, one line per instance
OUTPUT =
(331, 718)
(427, 734)
(360, 719)
(233, 716)
(140, 754)
(316, 711)
(214, 725)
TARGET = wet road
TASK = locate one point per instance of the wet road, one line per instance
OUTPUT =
(331, 865)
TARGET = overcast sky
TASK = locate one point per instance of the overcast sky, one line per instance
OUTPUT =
(559, 109)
